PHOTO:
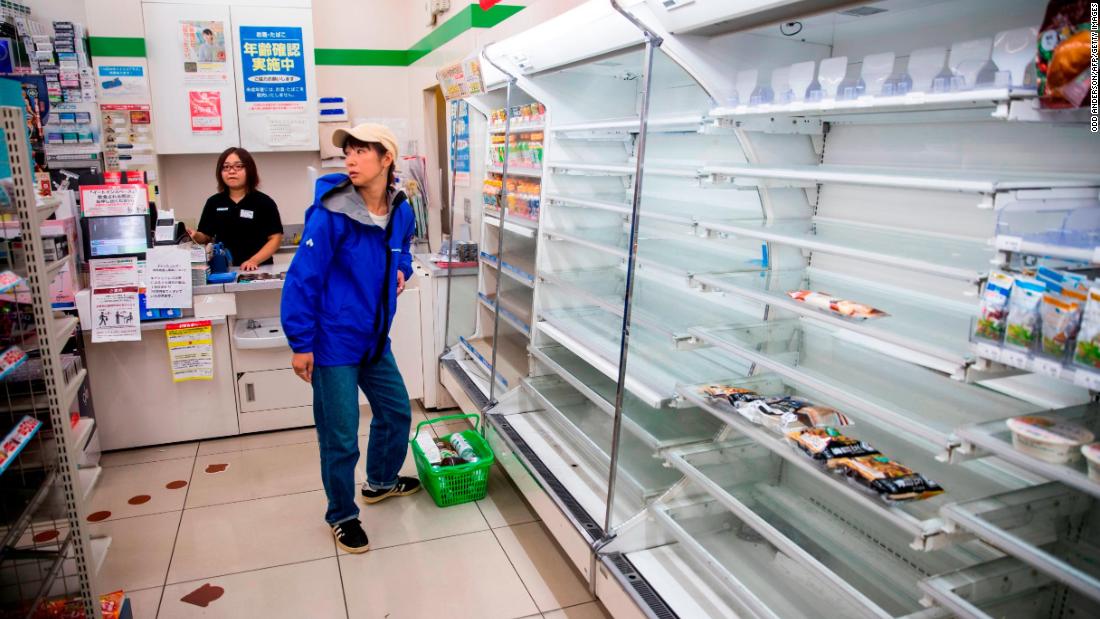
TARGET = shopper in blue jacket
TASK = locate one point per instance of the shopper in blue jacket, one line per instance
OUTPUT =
(339, 300)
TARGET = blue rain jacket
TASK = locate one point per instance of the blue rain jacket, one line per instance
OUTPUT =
(340, 293)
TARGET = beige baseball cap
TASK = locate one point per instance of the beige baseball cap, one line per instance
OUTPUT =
(367, 132)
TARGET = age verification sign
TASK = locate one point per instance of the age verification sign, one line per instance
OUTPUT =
(273, 64)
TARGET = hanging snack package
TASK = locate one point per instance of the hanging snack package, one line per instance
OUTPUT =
(1087, 352)
(890, 480)
(826, 443)
(993, 310)
(1060, 316)
(842, 307)
(1062, 64)
(1022, 325)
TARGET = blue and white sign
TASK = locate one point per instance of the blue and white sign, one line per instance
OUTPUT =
(273, 64)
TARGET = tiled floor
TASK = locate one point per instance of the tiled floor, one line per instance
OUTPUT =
(250, 537)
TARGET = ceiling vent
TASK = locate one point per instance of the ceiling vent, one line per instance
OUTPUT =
(863, 11)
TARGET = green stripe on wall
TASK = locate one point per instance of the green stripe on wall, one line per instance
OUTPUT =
(133, 47)
(469, 17)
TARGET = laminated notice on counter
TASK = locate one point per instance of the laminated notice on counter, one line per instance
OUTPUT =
(191, 350)
(116, 315)
(167, 278)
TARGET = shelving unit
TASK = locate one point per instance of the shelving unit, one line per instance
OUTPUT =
(888, 201)
(47, 550)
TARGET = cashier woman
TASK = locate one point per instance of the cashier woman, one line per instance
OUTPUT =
(245, 219)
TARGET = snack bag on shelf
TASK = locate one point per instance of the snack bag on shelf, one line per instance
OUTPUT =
(1022, 325)
(1060, 317)
(890, 480)
(1087, 352)
(993, 310)
(1062, 64)
(788, 413)
(841, 307)
(826, 443)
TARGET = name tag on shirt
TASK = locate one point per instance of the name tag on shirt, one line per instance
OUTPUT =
(246, 214)
(222, 209)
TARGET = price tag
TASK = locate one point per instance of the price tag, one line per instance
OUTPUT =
(1009, 243)
(1088, 380)
(989, 351)
(1014, 358)
(1047, 367)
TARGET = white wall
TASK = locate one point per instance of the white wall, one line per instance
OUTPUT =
(48, 11)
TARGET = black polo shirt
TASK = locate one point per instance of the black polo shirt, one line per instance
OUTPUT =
(243, 226)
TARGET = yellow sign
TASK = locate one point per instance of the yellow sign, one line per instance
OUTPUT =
(191, 350)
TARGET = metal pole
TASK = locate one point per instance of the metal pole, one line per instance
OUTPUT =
(652, 42)
(503, 200)
(451, 231)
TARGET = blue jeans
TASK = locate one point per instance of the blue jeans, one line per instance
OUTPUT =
(336, 411)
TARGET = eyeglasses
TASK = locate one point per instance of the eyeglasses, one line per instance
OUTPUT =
(232, 167)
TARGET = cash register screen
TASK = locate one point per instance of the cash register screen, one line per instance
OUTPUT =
(125, 235)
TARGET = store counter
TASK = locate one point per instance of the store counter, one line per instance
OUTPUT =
(253, 389)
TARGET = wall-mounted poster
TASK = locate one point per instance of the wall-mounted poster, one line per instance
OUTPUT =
(203, 46)
(206, 111)
(273, 66)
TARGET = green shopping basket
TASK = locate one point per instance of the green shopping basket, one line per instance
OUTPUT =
(454, 485)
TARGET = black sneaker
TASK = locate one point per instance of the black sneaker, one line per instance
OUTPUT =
(350, 536)
(404, 487)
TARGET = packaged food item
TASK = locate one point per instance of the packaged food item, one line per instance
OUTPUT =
(1060, 318)
(1049, 440)
(827, 302)
(428, 446)
(463, 448)
(1087, 351)
(1022, 324)
(733, 395)
(1064, 54)
(890, 480)
(827, 443)
(1092, 456)
(788, 413)
(993, 310)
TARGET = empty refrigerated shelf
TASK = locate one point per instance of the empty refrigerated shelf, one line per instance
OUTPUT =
(922, 406)
(511, 357)
(654, 367)
(866, 559)
(515, 224)
(995, 438)
(937, 328)
(934, 179)
(518, 267)
(688, 123)
(919, 519)
(658, 428)
(1049, 527)
(954, 257)
(617, 169)
(512, 310)
(727, 564)
(515, 171)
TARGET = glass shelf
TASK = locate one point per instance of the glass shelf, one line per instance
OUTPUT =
(657, 306)
(921, 406)
(963, 259)
(617, 169)
(689, 123)
(652, 208)
(512, 223)
(919, 519)
(753, 576)
(658, 428)
(655, 366)
(932, 326)
(953, 180)
(995, 438)
(866, 560)
(514, 171)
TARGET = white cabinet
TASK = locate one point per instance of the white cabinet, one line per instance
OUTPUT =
(261, 391)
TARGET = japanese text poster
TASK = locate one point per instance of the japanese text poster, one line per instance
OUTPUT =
(460, 142)
(206, 111)
(167, 278)
(203, 46)
(191, 350)
(273, 67)
(107, 200)
(122, 84)
(116, 315)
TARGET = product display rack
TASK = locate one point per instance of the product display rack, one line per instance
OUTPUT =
(47, 551)
(742, 202)
(494, 358)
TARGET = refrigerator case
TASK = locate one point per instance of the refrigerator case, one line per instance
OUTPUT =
(862, 156)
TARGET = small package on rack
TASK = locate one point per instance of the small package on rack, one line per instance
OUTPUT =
(788, 413)
(993, 311)
(842, 307)
(890, 480)
(1060, 316)
(1022, 324)
(1087, 351)
(824, 444)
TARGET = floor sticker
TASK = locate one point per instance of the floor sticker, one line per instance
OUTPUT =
(98, 516)
(139, 499)
(204, 595)
(216, 468)
(176, 485)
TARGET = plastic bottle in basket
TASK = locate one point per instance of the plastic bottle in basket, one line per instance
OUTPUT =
(463, 447)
